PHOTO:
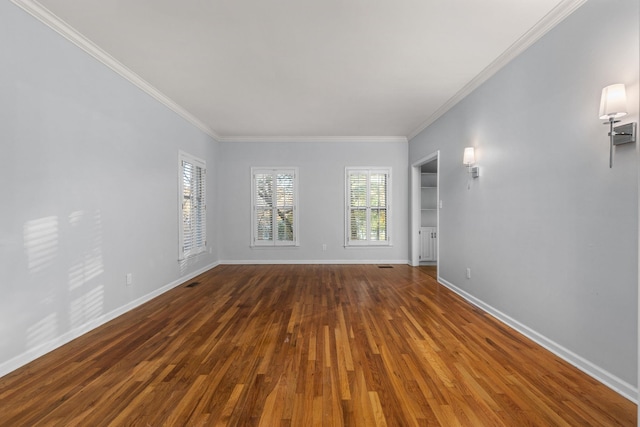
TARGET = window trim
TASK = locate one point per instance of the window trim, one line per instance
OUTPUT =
(348, 243)
(254, 243)
(197, 162)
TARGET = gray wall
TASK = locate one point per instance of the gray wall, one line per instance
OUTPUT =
(548, 230)
(89, 191)
(321, 199)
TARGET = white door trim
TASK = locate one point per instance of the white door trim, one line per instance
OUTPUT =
(414, 207)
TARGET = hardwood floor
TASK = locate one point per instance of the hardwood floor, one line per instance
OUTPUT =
(302, 345)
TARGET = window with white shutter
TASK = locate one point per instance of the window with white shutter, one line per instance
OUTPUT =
(367, 206)
(193, 208)
(274, 211)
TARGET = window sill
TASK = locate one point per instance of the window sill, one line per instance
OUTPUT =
(368, 246)
(274, 246)
(192, 255)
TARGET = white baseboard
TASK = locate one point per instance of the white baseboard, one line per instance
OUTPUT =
(33, 353)
(314, 261)
(613, 382)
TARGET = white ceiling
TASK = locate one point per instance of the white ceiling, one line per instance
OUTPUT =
(267, 69)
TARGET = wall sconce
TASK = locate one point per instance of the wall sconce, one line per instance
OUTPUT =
(468, 160)
(613, 104)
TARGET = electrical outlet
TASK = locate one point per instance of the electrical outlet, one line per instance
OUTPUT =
(129, 279)
(468, 273)
(324, 246)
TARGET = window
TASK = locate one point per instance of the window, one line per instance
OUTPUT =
(274, 211)
(193, 208)
(368, 196)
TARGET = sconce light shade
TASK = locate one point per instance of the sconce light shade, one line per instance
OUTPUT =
(469, 157)
(613, 103)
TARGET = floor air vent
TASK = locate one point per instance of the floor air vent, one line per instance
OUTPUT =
(192, 285)
(385, 266)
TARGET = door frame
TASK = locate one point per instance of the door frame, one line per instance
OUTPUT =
(415, 209)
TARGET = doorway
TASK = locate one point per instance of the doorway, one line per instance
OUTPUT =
(425, 202)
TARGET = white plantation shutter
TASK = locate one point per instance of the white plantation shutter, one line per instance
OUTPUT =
(378, 206)
(367, 200)
(358, 206)
(193, 208)
(274, 219)
(263, 206)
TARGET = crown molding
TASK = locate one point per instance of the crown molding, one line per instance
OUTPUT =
(45, 16)
(559, 13)
(345, 139)
(543, 26)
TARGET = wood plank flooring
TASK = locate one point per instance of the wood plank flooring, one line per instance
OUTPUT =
(307, 345)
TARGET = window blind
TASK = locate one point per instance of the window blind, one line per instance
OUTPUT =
(367, 216)
(193, 230)
(274, 207)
